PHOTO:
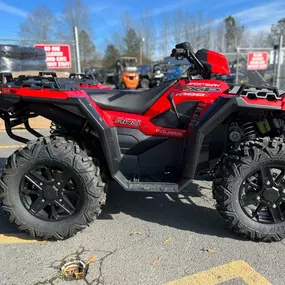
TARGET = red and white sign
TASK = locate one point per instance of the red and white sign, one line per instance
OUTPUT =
(57, 56)
(257, 60)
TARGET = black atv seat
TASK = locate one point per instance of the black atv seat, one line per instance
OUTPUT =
(136, 102)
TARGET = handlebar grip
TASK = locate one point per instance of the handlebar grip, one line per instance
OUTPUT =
(176, 52)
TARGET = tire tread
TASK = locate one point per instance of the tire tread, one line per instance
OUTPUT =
(231, 167)
(75, 157)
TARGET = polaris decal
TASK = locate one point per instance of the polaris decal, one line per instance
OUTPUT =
(169, 133)
(202, 89)
(129, 122)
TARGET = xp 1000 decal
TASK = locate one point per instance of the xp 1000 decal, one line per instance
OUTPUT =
(202, 89)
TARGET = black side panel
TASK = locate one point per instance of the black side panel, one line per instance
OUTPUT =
(218, 112)
(7, 102)
(213, 146)
(155, 163)
(55, 113)
(70, 108)
(134, 142)
(165, 157)
(169, 119)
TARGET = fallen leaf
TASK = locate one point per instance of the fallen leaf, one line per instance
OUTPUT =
(136, 234)
(211, 250)
(167, 240)
(154, 261)
(91, 259)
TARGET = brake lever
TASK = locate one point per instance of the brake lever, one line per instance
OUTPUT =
(170, 97)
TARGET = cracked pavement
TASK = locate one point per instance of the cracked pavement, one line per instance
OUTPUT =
(172, 236)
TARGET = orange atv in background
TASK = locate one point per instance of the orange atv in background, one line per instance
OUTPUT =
(126, 76)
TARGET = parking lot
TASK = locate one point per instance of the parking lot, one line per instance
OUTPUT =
(143, 239)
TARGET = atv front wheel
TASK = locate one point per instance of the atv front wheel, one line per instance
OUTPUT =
(144, 83)
(51, 188)
(250, 189)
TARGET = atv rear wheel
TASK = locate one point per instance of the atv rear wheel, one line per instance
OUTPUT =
(51, 188)
(250, 189)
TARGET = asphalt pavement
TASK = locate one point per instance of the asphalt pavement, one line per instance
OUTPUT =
(143, 239)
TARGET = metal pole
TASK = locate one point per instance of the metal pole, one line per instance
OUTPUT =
(274, 65)
(141, 50)
(77, 51)
(141, 53)
(279, 61)
(237, 65)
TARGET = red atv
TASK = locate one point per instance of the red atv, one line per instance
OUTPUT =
(83, 81)
(156, 140)
(88, 81)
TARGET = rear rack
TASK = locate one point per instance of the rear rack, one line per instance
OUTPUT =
(47, 80)
(44, 80)
(84, 79)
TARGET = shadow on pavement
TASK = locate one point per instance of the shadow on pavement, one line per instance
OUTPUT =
(2, 161)
(174, 212)
(5, 226)
(182, 214)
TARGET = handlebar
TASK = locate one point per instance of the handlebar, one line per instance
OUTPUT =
(184, 50)
(178, 52)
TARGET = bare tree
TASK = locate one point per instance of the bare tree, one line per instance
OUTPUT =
(127, 22)
(39, 24)
(147, 31)
(118, 41)
(194, 29)
(245, 39)
(164, 35)
(218, 38)
(259, 39)
(188, 24)
(199, 35)
(75, 13)
(233, 33)
(275, 32)
(178, 26)
(88, 54)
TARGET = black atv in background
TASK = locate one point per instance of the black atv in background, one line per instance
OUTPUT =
(102, 75)
(150, 75)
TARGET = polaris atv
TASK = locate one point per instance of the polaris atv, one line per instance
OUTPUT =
(83, 80)
(156, 140)
(150, 75)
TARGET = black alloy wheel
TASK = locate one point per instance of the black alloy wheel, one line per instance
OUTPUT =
(50, 193)
(262, 194)
(249, 188)
(51, 188)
